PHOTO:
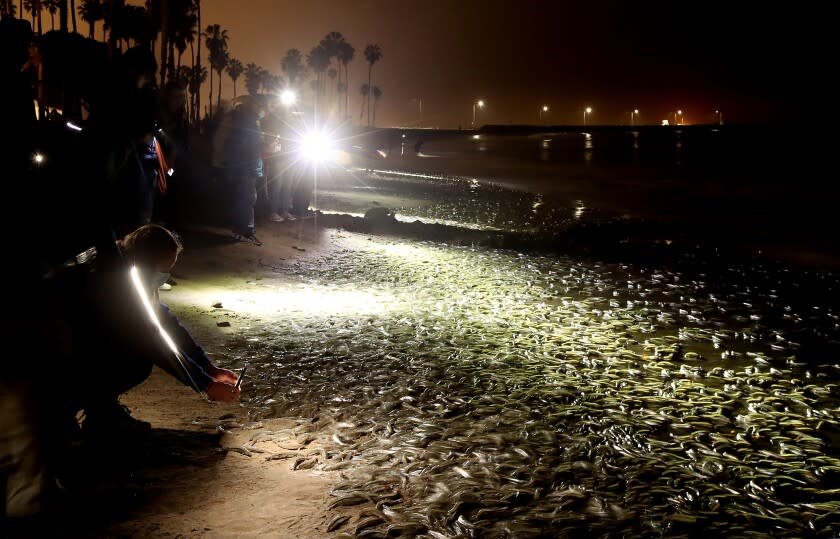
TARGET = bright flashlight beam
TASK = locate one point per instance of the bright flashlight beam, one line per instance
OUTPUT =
(144, 297)
(316, 146)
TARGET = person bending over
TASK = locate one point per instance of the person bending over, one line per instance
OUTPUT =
(122, 330)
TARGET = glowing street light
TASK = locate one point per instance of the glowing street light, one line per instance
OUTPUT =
(288, 97)
(38, 158)
(477, 104)
(678, 113)
(633, 114)
(719, 117)
(543, 109)
(587, 110)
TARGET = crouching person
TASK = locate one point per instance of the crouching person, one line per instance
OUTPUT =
(122, 330)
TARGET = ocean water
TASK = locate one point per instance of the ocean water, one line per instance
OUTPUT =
(760, 190)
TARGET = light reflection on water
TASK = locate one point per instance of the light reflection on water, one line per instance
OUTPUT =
(742, 188)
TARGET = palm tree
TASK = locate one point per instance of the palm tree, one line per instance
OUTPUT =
(179, 17)
(198, 74)
(293, 67)
(345, 56)
(332, 46)
(35, 7)
(91, 11)
(319, 60)
(270, 83)
(253, 78)
(234, 70)
(52, 7)
(372, 54)
(73, 14)
(377, 94)
(365, 89)
(133, 23)
(216, 40)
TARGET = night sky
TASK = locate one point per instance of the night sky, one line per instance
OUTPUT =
(747, 59)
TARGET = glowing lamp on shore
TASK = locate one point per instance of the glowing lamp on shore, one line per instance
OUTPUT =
(288, 98)
(316, 146)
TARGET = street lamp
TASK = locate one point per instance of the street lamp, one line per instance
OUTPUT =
(587, 110)
(543, 109)
(288, 98)
(633, 114)
(678, 113)
(479, 104)
(719, 117)
(419, 110)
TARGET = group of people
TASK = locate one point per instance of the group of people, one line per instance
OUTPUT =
(83, 322)
(255, 148)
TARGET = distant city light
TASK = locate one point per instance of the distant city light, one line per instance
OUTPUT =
(38, 158)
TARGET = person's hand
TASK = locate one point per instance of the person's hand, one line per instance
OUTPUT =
(222, 375)
(221, 392)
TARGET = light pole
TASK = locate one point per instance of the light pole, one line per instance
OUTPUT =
(719, 117)
(633, 114)
(678, 113)
(419, 110)
(543, 109)
(477, 104)
(587, 110)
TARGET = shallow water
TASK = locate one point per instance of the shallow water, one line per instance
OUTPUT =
(486, 393)
(757, 190)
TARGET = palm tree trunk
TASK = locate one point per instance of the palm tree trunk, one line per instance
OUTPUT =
(219, 97)
(347, 90)
(234, 87)
(198, 60)
(62, 15)
(211, 91)
(73, 14)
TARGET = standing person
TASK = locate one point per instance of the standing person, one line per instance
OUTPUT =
(277, 163)
(114, 326)
(244, 165)
(119, 153)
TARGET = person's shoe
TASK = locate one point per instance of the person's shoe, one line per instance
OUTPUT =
(113, 420)
(277, 218)
(250, 238)
(165, 286)
(288, 216)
